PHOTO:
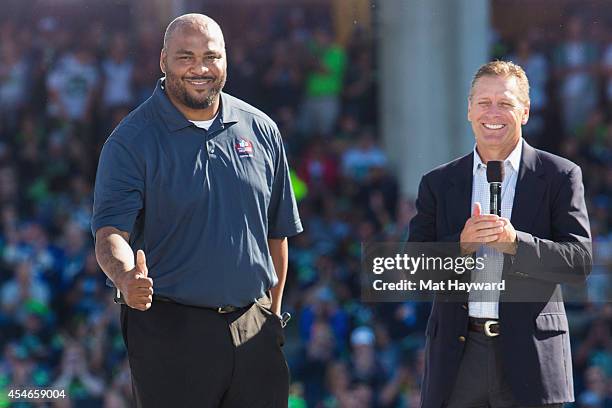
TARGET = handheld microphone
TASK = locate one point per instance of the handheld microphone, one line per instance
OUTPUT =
(495, 177)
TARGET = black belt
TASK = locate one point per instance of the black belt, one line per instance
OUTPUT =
(222, 309)
(489, 327)
(159, 298)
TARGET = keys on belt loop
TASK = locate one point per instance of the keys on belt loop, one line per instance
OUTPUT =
(284, 319)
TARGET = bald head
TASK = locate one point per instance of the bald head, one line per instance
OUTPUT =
(195, 23)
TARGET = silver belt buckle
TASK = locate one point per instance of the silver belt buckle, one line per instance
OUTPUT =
(222, 310)
(487, 328)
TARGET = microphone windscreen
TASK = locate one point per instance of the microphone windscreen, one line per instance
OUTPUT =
(495, 171)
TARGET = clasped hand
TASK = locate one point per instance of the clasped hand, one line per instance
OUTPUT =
(488, 229)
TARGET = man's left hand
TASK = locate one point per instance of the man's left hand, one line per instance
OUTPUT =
(506, 241)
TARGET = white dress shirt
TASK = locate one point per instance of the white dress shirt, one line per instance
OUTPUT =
(486, 303)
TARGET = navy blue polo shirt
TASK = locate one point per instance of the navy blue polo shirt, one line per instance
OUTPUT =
(201, 204)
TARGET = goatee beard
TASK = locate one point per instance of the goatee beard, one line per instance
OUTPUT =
(174, 87)
(193, 103)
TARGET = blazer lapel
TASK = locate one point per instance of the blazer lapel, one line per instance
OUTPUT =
(530, 188)
(459, 194)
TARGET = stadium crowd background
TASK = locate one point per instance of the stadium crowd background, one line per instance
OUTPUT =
(63, 87)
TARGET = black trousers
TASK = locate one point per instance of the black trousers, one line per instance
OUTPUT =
(480, 382)
(183, 356)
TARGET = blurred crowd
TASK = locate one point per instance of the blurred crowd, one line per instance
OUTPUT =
(62, 90)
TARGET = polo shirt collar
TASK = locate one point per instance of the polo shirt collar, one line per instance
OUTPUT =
(514, 158)
(175, 120)
(229, 113)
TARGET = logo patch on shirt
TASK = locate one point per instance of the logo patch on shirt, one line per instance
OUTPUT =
(244, 147)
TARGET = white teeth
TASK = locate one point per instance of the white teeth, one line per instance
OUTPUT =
(493, 127)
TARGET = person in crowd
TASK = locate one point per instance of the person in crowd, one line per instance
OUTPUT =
(574, 67)
(324, 85)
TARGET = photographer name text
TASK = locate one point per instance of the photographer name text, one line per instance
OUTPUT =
(451, 285)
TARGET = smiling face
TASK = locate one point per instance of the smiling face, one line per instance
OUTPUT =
(497, 112)
(195, 66)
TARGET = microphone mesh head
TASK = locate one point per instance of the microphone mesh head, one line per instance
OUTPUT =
(495, 171)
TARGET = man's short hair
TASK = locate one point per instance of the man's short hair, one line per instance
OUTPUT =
(504, 69)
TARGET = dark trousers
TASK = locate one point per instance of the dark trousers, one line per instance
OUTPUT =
(480, 382)
(183, 356)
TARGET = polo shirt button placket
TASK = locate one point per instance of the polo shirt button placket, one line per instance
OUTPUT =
(210, 149)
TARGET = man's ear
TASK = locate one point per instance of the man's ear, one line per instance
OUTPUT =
(162, 61)
(525, 115)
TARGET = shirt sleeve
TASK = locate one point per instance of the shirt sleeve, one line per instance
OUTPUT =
(119, 188)
(283, 217)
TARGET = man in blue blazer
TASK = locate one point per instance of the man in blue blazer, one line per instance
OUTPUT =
(510, 347)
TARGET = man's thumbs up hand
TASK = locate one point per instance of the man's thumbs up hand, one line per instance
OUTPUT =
(141, 263)
(135, 285)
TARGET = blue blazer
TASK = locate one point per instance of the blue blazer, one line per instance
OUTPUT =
(554, 246)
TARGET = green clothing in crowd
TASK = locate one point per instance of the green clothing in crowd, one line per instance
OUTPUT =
(329, 83)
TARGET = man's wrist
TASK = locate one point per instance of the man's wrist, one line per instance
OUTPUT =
(118, 280)
(467, 249)
(514, 246)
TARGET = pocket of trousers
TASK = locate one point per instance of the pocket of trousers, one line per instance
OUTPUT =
(248, 325)
(275, 323)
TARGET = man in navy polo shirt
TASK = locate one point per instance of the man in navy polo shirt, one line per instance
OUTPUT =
(198, 181)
